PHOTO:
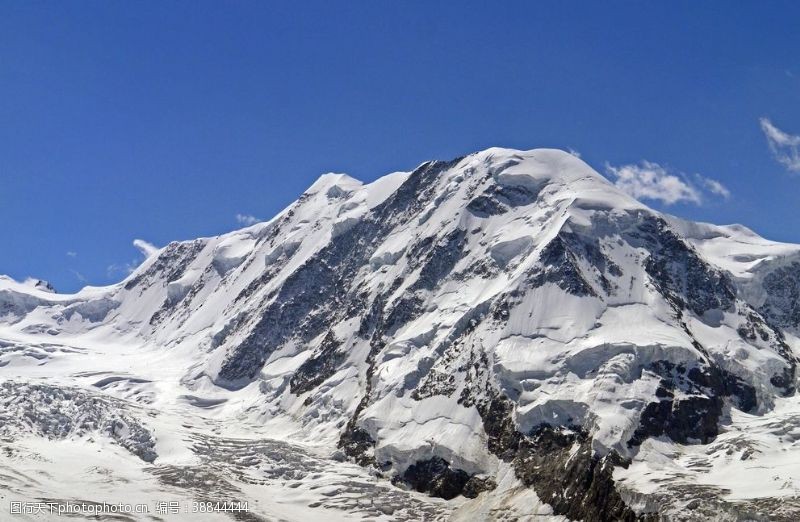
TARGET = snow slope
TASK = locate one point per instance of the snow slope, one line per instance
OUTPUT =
(506, 331)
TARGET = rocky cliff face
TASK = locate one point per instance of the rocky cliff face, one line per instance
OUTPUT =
(505, 314)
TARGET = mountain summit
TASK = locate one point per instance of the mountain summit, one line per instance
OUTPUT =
(507, 331)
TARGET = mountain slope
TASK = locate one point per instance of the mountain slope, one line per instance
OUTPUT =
(507, 326)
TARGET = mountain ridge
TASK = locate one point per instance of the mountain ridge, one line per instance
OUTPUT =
(462, 327)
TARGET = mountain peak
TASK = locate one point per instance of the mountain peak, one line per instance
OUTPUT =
(333, 183)
(505, 320)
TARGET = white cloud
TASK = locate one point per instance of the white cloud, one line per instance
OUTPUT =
(574, 152)
(649, 180)
(784, 146)
(652, 181)
(72, 254)
(246, 220)
(713, 186)
(148, 249)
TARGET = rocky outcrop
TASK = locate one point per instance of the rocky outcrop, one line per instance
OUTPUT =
(782, 302)
(435, 477)
(561, 466)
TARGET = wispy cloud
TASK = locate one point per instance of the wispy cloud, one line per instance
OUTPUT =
(785, 147)
(713, 186)
(72, 254)
(245, 219)
(148, 249)
(125, 269)
(649, 180)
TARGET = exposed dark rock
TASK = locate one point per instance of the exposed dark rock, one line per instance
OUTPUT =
(782, 303)
(785, 380)
(476, 485)
(588, 247)
(693, 419)
(753, 330)
(315, 370)
(170, 265)
(678, 273)
(435, 375)
(561, 467)
(44, 286)
(485, 206)
(695, 416)
(559, 265)
(515, 195)
(436, 383)
(435, 477)
(407, 308)
(356, 443)
(441, 260)
(768, 333)
(497, 199)
(504, 439)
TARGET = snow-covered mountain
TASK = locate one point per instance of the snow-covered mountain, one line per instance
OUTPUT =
(502, 336)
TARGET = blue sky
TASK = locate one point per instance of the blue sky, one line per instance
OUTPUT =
(166, 120)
